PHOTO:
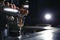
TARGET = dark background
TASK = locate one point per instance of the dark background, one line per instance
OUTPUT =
(52, 6)
(37, 9)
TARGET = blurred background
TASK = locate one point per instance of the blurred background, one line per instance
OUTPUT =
(37, 10)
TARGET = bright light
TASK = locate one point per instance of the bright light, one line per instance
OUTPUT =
(10, 10)
(26, 6)
(48, 16)
(47, 35)
(20, 36)
(47, 27)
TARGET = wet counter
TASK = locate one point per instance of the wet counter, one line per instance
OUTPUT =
(48, 34)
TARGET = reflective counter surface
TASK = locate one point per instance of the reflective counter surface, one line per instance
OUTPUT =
(49, 34)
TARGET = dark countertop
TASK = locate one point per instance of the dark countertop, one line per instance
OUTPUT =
(48, 34)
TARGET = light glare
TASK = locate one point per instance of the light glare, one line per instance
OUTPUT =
(10, 10)
(47, 16)
(26, 6)
(47, 35)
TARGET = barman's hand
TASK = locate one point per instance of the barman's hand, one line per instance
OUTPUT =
(13, 6)
(24, 11)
